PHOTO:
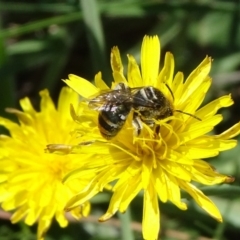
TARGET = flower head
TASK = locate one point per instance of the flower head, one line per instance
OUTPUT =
(163, 159)
(31, 180)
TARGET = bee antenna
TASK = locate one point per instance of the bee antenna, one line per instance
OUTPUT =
(169, 89)
(189, 114)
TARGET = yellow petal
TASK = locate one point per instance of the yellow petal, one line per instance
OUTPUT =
(205, 146)
(173, 190)
(166, 74)
(81, 211)
(231, 132)
(177, 170)
(46, 104)
(196, 78)
(85, 209)
(116, 62)
(27, 106)
(19, 214)
(191, 105)
(118, 78)
(81, 198)
(114, 202)
(160, 184)
(178, 157)
(150, 57)
(33, 214)
(81, 86)
(208, 176)
(203, 201)
(23, 118)
(61, 219)
(177, 85)
(211, 108)
(134, 75)
(66, 98)
(199, 128)
(147, 165)
(11, 126)
(9, 204)
(134, 187)
(43, 226)
(151, 216)
(194, 152)
(99, 82)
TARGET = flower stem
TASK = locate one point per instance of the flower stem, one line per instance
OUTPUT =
(126, 229)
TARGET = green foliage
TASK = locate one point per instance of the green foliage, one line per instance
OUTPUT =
(41, 41)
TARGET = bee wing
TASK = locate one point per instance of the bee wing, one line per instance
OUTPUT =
(113, 97)
(97, 100)
(97, 103)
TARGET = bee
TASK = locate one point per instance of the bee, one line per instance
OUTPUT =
(148, 104)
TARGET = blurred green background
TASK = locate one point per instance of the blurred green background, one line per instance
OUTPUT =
(42, 41)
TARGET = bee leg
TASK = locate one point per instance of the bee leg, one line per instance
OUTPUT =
(137, 124)
(157, 129)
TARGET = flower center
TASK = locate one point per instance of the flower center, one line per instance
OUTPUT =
(57, 168)
(154, 146)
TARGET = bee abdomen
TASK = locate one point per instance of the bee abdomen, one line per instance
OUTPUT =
(111, 122)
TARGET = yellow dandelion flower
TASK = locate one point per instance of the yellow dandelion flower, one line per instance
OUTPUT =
(30, 179)
(164, 159)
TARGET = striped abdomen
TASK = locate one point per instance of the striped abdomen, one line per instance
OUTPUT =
(112, 119)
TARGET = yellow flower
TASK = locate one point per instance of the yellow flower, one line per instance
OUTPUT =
(159, 162)
(30, 179)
